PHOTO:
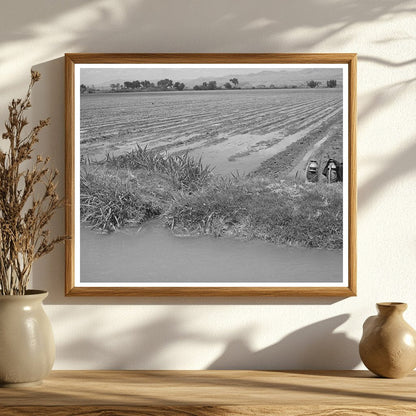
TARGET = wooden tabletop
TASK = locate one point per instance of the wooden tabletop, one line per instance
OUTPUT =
(203, 393)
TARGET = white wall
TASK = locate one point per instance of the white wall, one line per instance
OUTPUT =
(198, 333)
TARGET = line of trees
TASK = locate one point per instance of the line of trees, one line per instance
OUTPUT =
(168, 85)
(161, 85)
(86, 88)
(233, 81)
(212, 85)
(332, 83)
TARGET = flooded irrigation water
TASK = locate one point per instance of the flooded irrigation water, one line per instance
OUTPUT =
(154, 254)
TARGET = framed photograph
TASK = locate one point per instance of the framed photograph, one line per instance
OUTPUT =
(211, 174)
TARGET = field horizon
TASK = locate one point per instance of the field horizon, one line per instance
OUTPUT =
(249, 77)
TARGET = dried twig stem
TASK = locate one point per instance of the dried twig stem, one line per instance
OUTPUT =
(23, 217)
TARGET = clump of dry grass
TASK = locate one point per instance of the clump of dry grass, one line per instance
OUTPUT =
(132, 188)
(111, 198)
(285, 212)
(28, 199)
(184, 171)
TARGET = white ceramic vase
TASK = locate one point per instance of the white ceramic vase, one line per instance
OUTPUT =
(27, 347)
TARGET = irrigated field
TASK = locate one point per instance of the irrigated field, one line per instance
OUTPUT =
(232, 130)
(220, 163)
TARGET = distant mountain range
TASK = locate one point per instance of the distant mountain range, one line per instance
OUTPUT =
(265, 78)
(279, 77)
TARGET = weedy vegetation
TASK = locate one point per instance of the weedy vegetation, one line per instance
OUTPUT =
(184, 171)
(115, 197)
(287, 212)
(192, 200)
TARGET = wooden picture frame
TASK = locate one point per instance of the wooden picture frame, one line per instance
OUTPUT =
(256, 99)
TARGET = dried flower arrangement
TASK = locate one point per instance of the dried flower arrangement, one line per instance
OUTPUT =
(28, 199)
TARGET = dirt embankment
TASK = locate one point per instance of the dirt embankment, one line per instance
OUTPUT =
(280, 165)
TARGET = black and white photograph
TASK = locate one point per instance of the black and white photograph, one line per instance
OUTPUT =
(211, 175)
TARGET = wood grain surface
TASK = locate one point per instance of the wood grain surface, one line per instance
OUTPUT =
(203, 393)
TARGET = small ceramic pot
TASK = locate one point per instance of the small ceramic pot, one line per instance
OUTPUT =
(27, 347)
(388, 344)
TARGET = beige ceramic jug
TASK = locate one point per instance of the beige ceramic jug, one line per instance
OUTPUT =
(388, 344)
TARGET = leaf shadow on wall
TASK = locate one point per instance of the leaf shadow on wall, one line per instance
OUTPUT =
(240, 26)
(150, 22)
(235, 28)
(313, 347)
(395, 168)
(144, 346)
(190, 26)
(402, 163)
(149, 27)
